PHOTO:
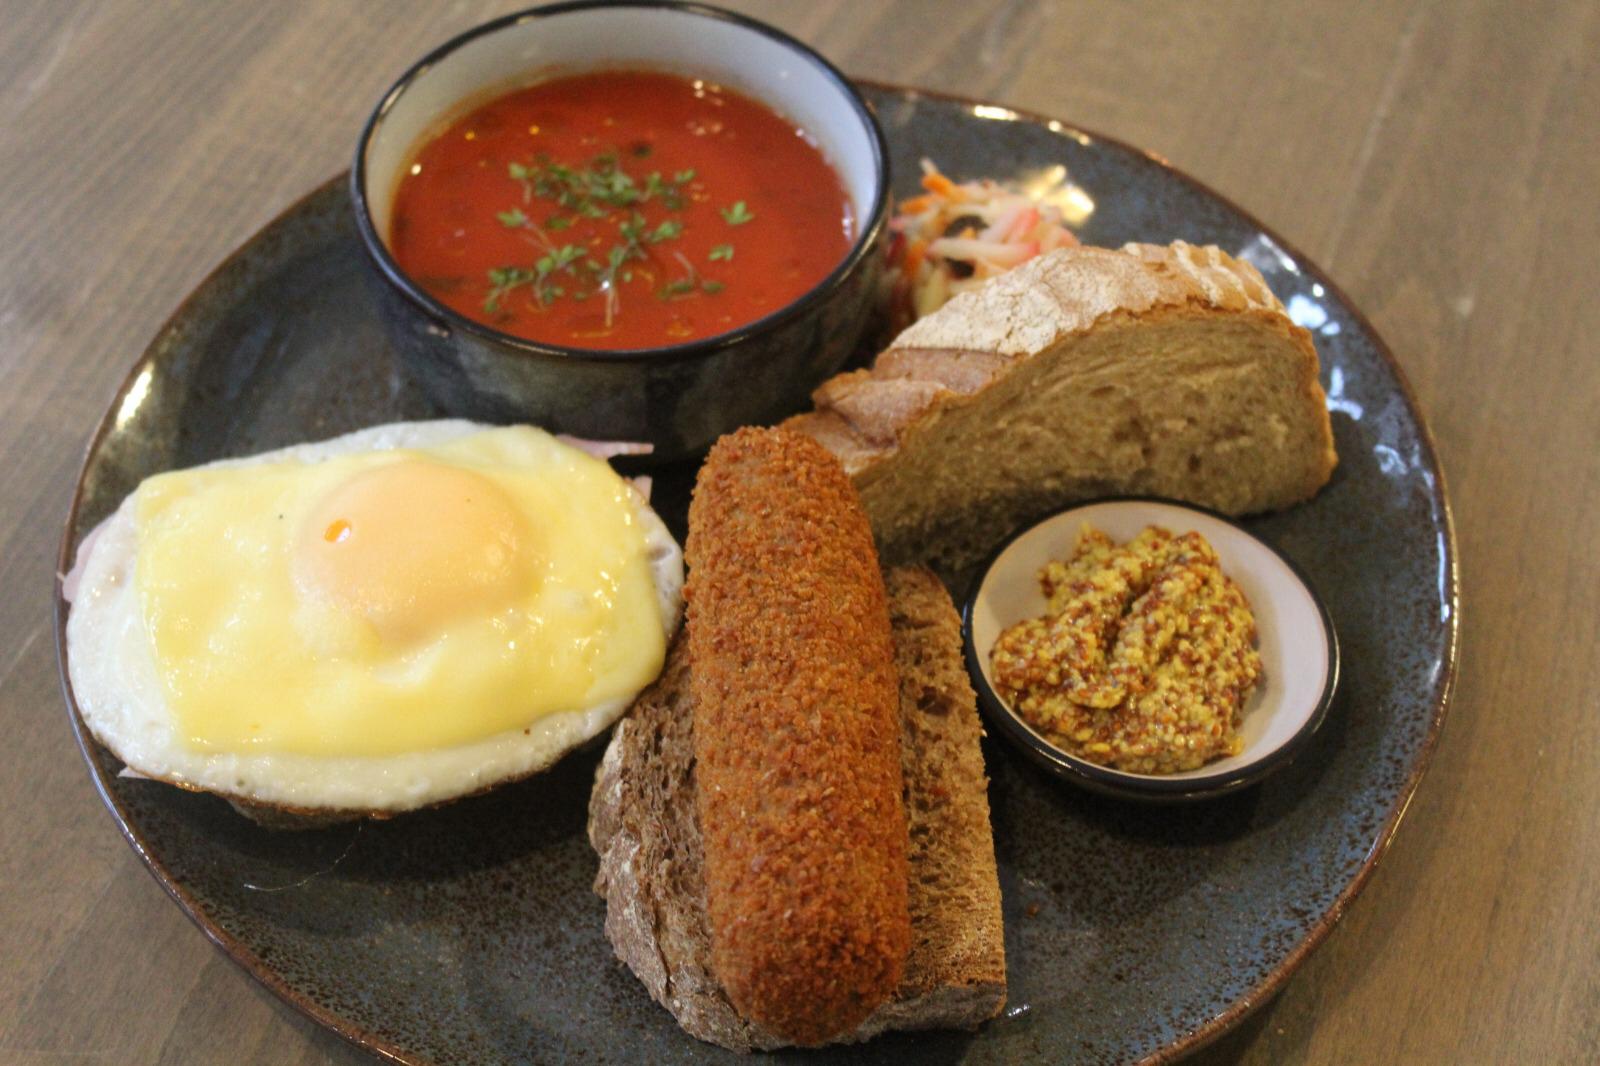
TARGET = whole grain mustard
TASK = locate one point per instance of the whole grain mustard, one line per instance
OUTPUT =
(1144, 660)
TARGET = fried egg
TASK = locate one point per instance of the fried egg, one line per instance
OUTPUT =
(374, 623)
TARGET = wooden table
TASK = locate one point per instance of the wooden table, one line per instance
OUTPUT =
(1439, 160)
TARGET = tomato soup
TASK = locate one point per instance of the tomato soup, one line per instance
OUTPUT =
(619, 210)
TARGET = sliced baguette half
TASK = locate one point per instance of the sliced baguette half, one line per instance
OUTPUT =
(642, 823)
(1167, 370)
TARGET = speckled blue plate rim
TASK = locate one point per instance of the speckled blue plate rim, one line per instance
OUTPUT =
(1145, 789)
(1185, 1044)
(89, 748)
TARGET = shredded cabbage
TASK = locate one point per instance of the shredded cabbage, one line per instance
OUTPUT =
(954, 237)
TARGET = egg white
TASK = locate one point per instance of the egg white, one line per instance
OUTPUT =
(115, 681)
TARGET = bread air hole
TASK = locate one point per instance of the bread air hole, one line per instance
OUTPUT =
(1131, 428)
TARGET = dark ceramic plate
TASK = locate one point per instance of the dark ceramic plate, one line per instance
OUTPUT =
(470, 934)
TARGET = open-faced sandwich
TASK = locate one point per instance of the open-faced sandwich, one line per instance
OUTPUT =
(792, 822)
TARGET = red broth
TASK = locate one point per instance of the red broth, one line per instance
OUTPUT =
(619, 210)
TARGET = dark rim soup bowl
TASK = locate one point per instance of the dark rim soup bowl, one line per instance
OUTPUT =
(678, 398)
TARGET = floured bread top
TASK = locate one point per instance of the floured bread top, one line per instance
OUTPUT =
(1028, 309)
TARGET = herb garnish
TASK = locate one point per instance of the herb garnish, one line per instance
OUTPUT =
(680, 286)
(505, 279)
(737, 215)
(600, 190)
(524, 177)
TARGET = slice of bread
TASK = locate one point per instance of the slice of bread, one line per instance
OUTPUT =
(642, 823)
(1163, 370)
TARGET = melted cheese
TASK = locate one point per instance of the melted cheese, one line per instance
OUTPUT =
(394, 602)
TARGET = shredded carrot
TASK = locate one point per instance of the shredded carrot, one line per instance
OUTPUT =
(916, 251)
(940, 185)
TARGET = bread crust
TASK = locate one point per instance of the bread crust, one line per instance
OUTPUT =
(980, 336)
(796, 738)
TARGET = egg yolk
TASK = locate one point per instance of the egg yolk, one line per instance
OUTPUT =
(412, 545)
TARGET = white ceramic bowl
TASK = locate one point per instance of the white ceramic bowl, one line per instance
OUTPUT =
(1299, 651)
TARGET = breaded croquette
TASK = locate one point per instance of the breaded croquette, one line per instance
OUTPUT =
(796, 729)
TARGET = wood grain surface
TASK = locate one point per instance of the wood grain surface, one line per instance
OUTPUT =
(1439, 159)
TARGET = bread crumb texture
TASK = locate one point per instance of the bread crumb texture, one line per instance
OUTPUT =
(955, 890)
(1163, 370)
(797, 738)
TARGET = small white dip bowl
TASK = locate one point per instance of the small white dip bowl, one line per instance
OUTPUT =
(1299, 651)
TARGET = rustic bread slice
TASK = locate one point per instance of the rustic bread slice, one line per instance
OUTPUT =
(955, 975)
(1172, 371)
(642, 823)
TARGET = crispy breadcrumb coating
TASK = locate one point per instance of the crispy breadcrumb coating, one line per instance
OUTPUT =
(796, 728)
